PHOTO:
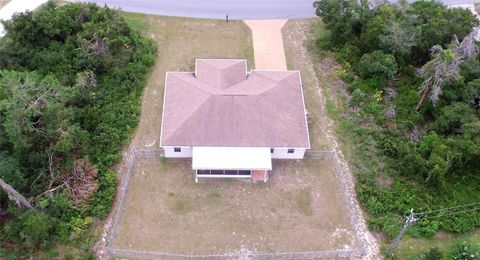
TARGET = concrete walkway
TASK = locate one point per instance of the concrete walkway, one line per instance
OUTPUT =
(268, 44)
(17, 6)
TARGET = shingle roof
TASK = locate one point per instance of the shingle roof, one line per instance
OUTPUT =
(222, 105)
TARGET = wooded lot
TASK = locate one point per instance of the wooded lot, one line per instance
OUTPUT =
(71, 80)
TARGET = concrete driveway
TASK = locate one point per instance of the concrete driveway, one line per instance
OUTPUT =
(268, 44)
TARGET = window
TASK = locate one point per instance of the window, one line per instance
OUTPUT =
(290, 150)
(271, 150)
(177, 149)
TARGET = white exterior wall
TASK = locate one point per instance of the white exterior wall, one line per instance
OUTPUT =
(278, 153)
(281, 153)
(186, 152)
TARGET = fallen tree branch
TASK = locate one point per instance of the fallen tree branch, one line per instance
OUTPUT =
(14, 195)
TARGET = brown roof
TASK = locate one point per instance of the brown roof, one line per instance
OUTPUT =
(222, 105)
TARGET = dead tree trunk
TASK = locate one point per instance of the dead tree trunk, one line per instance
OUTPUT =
(15, 196)
(422, 98)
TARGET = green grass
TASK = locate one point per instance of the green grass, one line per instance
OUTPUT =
(410, 247)
(136, 21)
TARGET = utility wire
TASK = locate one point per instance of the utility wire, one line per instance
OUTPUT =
(450, 214)
(460, 206)
(398, 223)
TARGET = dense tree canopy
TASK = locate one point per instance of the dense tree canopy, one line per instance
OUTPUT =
(71, 78)
(430, 157)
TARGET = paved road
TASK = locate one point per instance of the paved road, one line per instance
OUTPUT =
(16, 6)
(236, 9)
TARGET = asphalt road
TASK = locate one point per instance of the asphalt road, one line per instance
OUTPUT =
(236, 9)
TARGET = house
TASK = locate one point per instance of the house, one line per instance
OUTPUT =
(232, 122)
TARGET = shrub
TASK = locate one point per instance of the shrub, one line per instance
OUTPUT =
(433, 254)
(348, 54)
(102, 201)
(32, 228)
(464, 251)
(377, 64)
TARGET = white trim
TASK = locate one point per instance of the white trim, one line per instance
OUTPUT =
(304, 108)
(224, 176)
(231, 158)
(252, 70)
(163, 109)
(246, 69)
(196, 66)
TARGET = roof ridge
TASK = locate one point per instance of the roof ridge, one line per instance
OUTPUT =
(231, 65)
(277, 83)
(206, 90)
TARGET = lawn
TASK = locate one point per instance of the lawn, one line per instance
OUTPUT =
(410, 247)
(300, 208)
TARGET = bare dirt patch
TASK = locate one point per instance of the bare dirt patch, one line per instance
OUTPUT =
(300, 209)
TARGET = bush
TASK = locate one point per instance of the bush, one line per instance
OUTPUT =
(377, 64)
(432, 254)
(464, 251)
(102, 201)
(348, 54)
(32, 228)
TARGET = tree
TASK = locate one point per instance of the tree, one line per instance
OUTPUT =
(445, 66)
(344, 18)
(15, 196)
(377, 64)
(71, 81)
(391, 30)
(436, 25)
